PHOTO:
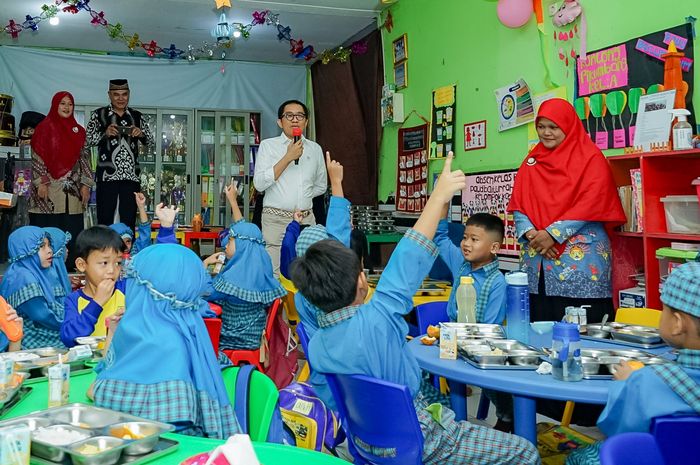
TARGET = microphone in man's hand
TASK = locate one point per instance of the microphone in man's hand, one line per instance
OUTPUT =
(296, 134)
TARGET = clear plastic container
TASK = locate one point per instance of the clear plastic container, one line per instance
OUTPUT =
(682, 214)
(566, 352)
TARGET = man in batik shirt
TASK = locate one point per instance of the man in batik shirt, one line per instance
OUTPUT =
(117, 130)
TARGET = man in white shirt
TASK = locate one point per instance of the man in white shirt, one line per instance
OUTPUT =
(291, 171)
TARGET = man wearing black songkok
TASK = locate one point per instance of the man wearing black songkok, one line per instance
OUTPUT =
(117, 130)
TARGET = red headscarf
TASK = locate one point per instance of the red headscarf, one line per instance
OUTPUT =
(58, 140)
(570, 182)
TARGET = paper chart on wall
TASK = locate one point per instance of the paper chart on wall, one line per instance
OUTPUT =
(514, 105)
(654, 119)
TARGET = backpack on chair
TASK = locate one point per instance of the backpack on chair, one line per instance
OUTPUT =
(280, 355)
(312, 425)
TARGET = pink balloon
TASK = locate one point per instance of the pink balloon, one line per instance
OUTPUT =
(514, 13)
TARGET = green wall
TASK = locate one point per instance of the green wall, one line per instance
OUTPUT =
(462, 42)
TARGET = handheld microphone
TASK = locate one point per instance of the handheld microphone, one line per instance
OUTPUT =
(296, 134)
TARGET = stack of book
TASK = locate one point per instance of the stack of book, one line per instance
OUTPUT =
(631, 198)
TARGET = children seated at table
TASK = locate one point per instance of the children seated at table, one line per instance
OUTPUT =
(144, 229)
(6, 344)
(370, 339)
(246, 286)
(637, 397)
(99, 250)
(59, 241)
(29, 285)
(160, 364)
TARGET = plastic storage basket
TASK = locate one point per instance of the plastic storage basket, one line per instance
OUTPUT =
(682, 214)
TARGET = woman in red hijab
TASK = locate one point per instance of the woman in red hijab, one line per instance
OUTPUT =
(61, 173)
(565, 204)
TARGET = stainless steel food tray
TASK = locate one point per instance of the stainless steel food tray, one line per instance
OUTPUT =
(93, 422)
(478, 354)
(606, 357)
(8, 393)
(163, 447)
(476, 330)
(21, 393)
(644, 337)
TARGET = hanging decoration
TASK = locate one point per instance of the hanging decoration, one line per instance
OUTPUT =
(223, 33)
(514, 13)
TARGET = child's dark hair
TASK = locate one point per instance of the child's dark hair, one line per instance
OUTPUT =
(98, 237)
(358, 243)
(490, 223)
(327, 275)
(280, 110)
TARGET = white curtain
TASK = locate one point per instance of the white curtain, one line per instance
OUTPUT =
(33, 76)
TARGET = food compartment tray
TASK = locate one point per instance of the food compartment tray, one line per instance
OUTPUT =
(163, 447)
(470, 352)
(94, 421)
(476, 330)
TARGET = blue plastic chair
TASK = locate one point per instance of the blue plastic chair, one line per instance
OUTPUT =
(304, 341)
(431, 313)
(632, 449)
(380, 414)
(676, 436)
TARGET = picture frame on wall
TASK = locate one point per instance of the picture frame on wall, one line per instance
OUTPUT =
(400, 49)
(401, 75)
(475, 135)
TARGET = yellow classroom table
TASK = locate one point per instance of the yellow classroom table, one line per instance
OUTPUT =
(268, 453)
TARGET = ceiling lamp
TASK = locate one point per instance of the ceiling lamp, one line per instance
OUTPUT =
(223, 31)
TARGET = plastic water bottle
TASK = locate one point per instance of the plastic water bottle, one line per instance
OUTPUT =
(518, 307)
(466, 300)
(566, 352)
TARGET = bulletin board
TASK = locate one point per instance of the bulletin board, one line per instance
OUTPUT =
(610, 81)
(490, 193)
(444, 112)
(412, 174)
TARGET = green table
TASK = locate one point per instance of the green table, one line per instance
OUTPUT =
(268, 454)
(384, 238)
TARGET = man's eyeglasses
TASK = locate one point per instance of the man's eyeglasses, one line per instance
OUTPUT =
(294, 116)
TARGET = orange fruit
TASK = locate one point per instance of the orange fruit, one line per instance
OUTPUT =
(427, 340)
(433, 331)
(635, 365)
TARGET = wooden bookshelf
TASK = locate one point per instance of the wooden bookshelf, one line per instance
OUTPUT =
(663, 173)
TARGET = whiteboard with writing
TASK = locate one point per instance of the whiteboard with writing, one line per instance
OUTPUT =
(490, 193)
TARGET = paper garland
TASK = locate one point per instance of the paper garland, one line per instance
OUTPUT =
(191, 53)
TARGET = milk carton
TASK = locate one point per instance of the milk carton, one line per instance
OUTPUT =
(448, 343)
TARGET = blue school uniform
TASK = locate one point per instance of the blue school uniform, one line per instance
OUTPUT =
(489, 282)
(370, 339)
(32, 289)
(651, 392)
(583, 270)
(4, 342)
(160, 364)
(165, 235)
(337, 227)
(646, 394)
(245, 288)
(59, 241)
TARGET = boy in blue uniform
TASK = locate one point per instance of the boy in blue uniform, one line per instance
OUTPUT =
(658, 390)
(88, 311)
(476, 257)
(358, 338)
